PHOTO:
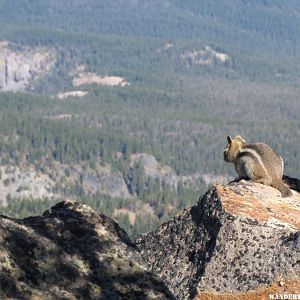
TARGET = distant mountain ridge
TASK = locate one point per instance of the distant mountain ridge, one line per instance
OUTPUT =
(235, 21)
(257, 34)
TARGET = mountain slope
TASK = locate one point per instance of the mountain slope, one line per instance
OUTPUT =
(239, 21)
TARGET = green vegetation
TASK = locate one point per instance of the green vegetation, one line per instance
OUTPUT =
(176, 109)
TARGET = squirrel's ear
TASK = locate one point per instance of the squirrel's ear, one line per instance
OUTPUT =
(240, 138)
(229, 139)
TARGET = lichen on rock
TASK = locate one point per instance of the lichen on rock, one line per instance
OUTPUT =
(237, 239)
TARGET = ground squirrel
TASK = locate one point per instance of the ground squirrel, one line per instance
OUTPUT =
(257, 162)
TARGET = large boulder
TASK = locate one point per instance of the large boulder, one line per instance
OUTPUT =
(240, 239)
(72, 252)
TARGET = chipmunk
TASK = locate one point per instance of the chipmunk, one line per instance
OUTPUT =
(257, 162)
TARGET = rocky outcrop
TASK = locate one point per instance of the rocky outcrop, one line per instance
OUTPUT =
(19, 67)
(205, 56)
(22, 183)
(166, 175)
(72, 252)
(81, 78)
(241, 241)
(27, 182)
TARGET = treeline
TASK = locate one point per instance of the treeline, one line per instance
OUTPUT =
(61, 141)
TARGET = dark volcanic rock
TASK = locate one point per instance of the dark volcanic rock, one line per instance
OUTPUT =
(237, 239)
(71, 252)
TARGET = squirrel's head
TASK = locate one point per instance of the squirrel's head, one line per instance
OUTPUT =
(233, 148)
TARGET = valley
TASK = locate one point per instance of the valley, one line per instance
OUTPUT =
(129, 112)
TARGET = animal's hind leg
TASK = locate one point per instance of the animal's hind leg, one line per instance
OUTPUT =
(259, 175)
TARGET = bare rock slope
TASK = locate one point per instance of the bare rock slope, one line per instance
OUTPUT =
(241, 241)
(21, 66)
(72, 252)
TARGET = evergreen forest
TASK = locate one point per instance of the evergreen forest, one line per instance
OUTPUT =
(197, 72)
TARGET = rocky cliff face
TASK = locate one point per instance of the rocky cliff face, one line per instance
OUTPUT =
(240, 240)
(22, 66)
(72, 252)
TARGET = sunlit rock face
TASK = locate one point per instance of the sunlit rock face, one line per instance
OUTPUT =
(240, 239)
(21, 66)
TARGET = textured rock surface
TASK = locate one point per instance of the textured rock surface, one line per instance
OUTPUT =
(71, 252)
(238, 239)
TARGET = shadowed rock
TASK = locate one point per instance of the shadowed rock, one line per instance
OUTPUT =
(72, 252)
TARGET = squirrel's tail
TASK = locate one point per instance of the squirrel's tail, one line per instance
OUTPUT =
(292, 183)
(279, 185)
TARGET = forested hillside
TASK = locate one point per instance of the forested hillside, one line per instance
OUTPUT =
(132, 112)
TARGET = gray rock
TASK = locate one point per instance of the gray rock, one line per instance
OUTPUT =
(72, 252)
(236, 239)
(20, 67)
